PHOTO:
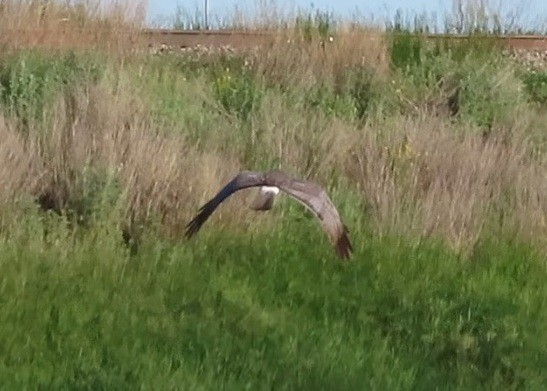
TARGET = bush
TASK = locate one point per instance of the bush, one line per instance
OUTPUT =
(330, 102)
(406, 51)
(490, 94)
(469, 78)
(237, 92)
(536, 86)
(29, 81)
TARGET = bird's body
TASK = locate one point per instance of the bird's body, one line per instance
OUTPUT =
(311, 195)
(265, 198)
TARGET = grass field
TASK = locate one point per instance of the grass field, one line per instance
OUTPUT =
(434, 154)
(80, 312)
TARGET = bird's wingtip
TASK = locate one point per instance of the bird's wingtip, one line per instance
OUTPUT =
(344, 249)
(192, 227)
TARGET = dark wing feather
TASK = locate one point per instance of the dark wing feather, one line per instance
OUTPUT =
(316, 199)
(241, 181)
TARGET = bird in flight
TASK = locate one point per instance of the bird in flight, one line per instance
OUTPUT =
(311, 195)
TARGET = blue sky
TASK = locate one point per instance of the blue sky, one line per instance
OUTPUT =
(531, 11)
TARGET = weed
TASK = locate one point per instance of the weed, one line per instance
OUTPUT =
(536, 86)
(406, 51)
(30, 81)
(237, 92)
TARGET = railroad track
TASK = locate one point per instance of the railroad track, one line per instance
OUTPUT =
(250, 38)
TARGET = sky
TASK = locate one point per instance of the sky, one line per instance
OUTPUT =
(161, 12)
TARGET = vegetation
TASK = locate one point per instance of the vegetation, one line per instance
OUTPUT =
(435, 154)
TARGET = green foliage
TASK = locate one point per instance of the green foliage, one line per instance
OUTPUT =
(481, 48)
(487, 101)
(406, 51)
(272, 310)
(169, 85)
(488, 92)
(311, 24)
(238, 92)
(536, 86)
(29, 81)
(95, 194)
(411, 23)
(411, 53)
(352, 97)
(470, 76)
(362, 91)
(331, 103)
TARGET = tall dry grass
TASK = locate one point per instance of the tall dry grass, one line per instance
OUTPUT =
(20, 169)
(420, 172)
(98, 135)
(294, 58)
(430, 178)
(104, 24)
(424, 176)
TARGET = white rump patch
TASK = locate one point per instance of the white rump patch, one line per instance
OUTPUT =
(269, 189)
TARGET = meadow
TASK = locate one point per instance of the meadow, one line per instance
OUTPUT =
(434, 152)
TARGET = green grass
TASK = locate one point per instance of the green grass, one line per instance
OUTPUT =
(536, 86)
(30, 80)
(265, 311)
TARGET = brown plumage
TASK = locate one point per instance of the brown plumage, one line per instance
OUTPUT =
(311, 195)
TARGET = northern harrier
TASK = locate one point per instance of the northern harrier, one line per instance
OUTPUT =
(311, 195)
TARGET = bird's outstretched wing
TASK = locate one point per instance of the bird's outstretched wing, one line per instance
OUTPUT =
(243, 180)
(313, 197)
(308, 193)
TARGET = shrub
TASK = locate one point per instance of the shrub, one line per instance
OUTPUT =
(536, 86)
(469, 78)
(490, 94)
(237, 92)
(29, 81)
(330, 102)
(406, 51)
